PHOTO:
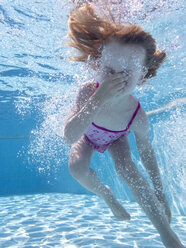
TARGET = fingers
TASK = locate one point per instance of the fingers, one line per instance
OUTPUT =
(117, 81)
(121, 87)
(120, 81)
(117, 78)
(124, 75)
(117, 75)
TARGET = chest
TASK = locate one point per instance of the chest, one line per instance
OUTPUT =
(112, 118)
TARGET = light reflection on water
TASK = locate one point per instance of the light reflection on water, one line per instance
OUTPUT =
(69, 221)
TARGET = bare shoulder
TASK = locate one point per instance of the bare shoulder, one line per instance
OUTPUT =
(140, 124)
(85, 92)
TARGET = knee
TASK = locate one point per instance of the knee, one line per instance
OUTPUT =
(77, 169)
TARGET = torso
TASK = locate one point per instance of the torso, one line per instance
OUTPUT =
(116, 118)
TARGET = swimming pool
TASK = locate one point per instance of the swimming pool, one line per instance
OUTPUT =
(41, 205)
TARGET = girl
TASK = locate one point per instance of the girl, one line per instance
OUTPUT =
(124, 56)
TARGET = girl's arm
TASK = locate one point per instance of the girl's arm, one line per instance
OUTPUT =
(146, 152)
(86, 106)
(88, 101)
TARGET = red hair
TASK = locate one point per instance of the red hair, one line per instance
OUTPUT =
(89, 34)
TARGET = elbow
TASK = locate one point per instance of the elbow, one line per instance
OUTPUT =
(66, 140)
(67, 137)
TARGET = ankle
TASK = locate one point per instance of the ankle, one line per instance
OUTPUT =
(172, 240)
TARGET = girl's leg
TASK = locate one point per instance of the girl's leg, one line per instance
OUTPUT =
(142, 192)
(79, 161)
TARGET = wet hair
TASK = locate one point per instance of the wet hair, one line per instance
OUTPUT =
(89, 34)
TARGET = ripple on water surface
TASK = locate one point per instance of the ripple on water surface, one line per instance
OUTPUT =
(71, 221)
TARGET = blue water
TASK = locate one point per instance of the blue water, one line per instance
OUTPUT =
(41, 205)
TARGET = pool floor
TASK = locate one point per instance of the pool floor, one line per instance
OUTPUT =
(75, 221)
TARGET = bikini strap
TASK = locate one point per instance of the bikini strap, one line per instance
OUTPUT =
(97, 84)
(134, 115)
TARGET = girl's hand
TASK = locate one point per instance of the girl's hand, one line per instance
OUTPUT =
(112, 85)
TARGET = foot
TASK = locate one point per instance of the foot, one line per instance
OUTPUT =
(117, 209)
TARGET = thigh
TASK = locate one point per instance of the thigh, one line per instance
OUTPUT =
(120, 151)
(81, 153)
